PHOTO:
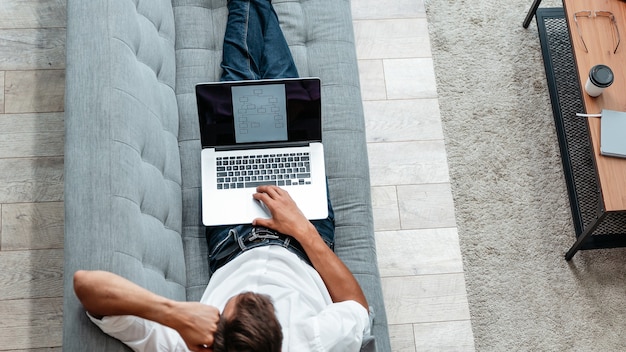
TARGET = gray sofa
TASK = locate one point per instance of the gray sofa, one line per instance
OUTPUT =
(132, 171)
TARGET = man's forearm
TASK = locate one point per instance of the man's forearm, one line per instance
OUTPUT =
(103, 293)
(287, 218)
(341, 284)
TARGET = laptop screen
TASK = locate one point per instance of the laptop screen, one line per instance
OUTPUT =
(255, 112)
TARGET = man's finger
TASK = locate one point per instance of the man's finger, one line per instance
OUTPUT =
(262, 196)
(262, 222)
(272, 191)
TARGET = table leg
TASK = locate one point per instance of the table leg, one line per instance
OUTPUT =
(531, 12)
(584, 236)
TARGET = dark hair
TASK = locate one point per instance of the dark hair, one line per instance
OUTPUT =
(253, 327)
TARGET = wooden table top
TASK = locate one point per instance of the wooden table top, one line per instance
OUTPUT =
(600, 38)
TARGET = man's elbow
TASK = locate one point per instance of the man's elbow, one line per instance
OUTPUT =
(83, 288)
(81, 278)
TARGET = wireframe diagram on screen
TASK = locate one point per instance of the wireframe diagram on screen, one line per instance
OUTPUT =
(260, 113)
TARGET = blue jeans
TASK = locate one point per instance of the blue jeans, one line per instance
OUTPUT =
(254, 45)
(255, 48)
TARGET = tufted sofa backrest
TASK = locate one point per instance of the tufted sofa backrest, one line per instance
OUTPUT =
(123, 183)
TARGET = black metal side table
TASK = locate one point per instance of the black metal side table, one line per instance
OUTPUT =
(594, 228)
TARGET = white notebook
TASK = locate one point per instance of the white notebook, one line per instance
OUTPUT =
(613, 133)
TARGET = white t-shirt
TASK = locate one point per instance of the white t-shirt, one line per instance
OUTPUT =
(310, 320)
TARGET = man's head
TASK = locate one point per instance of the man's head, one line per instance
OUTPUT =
(248, 323)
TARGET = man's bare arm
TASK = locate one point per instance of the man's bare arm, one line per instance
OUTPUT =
(105, 294)
(288, 219)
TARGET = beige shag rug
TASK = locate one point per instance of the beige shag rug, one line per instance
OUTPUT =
(510, 196)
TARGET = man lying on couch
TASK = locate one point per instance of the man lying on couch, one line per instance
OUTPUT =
(290, 292)
(324, 306)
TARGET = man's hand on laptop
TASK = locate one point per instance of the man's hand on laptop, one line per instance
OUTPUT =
(289, 220)
(286, 216)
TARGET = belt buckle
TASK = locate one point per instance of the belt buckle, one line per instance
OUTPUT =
(261, 234)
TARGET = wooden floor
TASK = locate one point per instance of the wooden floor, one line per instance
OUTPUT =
(417, 240)
(416, 235)
(32, 62)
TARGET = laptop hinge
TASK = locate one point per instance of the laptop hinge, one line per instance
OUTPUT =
(263, 146)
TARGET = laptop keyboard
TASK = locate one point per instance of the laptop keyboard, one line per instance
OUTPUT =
(287, 169)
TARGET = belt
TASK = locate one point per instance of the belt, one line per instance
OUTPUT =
(259, 234)
(258, 237)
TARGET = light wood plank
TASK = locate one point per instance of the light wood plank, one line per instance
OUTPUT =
(31, 135)
(376, 9)
(399, 38)
(28, 180)
(34, 122)
(402, 120)
(31, 274)
(45, 349)
(418, 252)
(385, 208)
(32, 226)
(31, 323)
(372, 80)
(426, 206)
(24, 49)
(445, 336)
(1, 92)
(34, 91)
(406, 163)
(402, 338)
(410, 78)
(425, 299)
(32, 13)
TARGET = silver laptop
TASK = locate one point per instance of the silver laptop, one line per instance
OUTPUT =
(256, 133)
